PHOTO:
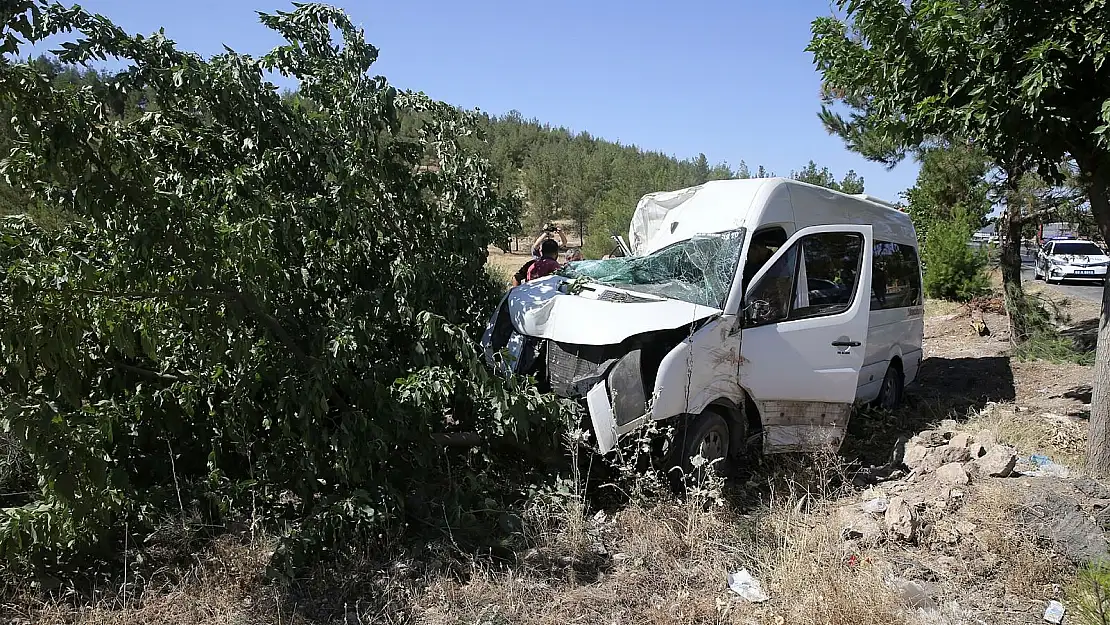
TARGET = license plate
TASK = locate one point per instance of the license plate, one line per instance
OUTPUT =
(1085, 272)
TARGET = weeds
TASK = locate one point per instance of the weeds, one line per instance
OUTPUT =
(1062, 439)
(1042, 320)
(1051, 347)
(1089, 595)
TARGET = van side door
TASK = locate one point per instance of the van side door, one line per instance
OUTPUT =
(803, 343)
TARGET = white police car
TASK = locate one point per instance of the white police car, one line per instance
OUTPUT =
(1070, 259)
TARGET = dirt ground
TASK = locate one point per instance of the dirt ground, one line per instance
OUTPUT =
(985, 518)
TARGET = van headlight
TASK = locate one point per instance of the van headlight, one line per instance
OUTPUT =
(626, 389)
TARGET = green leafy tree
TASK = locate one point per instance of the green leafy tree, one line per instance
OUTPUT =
(543, 176)
(249, 315)
(1026, 82)
(953, 269)
(823, 177)
(952, 180)
(742, 172)
(851, 183)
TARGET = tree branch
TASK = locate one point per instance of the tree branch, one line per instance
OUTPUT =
(252, 304)
(1056, 205)
(146, 372)
(150, 294)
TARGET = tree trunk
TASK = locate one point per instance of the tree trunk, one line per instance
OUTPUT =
(1098, 433)
(1010, 260)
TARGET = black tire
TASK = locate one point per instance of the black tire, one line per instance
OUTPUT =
(891, 393)
(706, 434)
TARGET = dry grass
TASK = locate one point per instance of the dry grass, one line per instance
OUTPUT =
(1062, 439)
(505, 265)
(225, 587)
(1006, 551)
(660, 572)
(939, 307)
(668, 562)
(818, 579)
(647, 570)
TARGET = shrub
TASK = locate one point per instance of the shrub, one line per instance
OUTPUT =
(1089, 595)
(953, 269)
(250, 315)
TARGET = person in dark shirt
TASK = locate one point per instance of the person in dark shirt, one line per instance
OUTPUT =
(547, 263)
(878, 284)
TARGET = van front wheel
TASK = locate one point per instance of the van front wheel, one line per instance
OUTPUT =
(707, 436)
(890, 394)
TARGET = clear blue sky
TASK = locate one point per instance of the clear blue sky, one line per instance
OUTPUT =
(730, 79)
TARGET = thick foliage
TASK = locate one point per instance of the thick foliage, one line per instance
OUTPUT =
(953, 269)
(952, 180)
(823, 177)
(1024, 80)
(264, 305)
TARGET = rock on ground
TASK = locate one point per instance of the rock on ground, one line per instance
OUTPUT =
(999, 461)
(900, 519)
(1058, 518)
(953, 474)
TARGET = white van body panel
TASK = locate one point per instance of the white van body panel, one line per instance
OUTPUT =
(662, 219)
(699, 371)
(800, 379)
(802, 385)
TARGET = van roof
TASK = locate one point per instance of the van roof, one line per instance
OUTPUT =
(722, 205)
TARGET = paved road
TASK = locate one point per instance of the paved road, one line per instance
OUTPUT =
(1088, 291)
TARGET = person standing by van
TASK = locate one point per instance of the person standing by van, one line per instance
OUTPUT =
(548, 234)
(548, 263)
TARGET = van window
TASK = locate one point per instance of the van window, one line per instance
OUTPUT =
(776, 287)
(1077, 249)
(827, 264)
(895, 277)
(765, 242)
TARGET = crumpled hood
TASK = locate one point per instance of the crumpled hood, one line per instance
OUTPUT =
(541, 310)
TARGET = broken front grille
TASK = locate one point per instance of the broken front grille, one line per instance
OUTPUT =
(567, 363)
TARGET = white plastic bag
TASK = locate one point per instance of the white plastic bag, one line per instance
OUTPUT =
(743, 584)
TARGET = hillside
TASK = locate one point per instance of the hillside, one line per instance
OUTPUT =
(595, 183)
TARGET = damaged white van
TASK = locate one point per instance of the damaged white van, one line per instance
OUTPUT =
(746, 311)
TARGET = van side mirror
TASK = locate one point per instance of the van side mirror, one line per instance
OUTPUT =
(757, 311)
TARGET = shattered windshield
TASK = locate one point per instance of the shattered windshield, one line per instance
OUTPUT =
(698, 270)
